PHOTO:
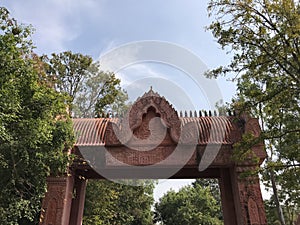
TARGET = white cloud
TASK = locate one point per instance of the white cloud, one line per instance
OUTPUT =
(138, 78)
(56, 22)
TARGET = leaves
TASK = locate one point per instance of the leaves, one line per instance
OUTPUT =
(263, 37)
(191, 205)
(32, 139)
(109, 202)
(98, 93)
(90, 91)
(68, 70)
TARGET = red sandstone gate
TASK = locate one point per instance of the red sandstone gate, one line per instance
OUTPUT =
(154, 142)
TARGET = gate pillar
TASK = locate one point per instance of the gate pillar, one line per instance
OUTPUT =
(78, 201)
(242, 201)
(250, 198)
(56, 204)
(227, 197)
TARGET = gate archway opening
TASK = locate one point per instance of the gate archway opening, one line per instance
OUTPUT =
(153, 141)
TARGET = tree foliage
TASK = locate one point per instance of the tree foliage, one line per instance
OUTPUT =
(34, 127)
(99, 93)
(290, 214)
(91, 91)
(112, 203)
(213, 186)
(68, 70)
(263, 38)
(191, 205)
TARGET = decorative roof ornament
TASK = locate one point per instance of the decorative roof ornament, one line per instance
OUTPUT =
(163, 109)
(149, 94)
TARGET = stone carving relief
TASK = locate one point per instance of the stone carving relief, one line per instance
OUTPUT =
(51, 212)
(252, 126)
(251, 199)
(149, 120)
(113, 131)
(253, 212)
(189, 134)
(54, 201)
(124, 156)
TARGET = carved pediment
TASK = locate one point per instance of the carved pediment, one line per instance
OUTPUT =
(150, 120)
(152, 102)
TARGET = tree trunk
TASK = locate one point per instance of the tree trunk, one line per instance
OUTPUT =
(276, 199)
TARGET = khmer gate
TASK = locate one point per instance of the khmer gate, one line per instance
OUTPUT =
(153, 141)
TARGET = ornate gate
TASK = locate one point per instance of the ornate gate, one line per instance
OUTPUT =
(153, 141)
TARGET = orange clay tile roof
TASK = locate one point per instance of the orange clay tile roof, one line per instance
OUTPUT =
(91, 131)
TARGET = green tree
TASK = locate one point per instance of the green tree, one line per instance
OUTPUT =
(112, 203)
(34, 127)
(91, 91)
(289, 213)
(98, 93)
(67, 70)
(191, 205)
(263, 38)
(213, 186)
(271, 212)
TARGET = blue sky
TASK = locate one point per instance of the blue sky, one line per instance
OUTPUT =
(96, 27)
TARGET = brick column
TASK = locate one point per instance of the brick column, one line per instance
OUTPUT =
(248, 197)
(78, 201)
(227, 197)
(56, 205)
(242, 202)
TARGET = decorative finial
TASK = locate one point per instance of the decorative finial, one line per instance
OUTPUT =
(150, 93)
